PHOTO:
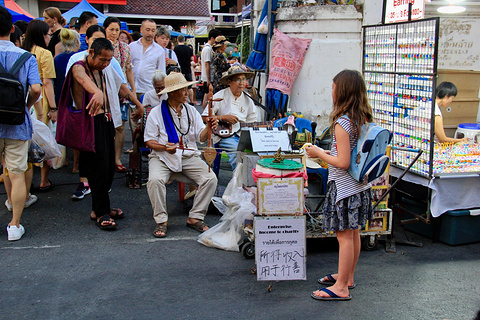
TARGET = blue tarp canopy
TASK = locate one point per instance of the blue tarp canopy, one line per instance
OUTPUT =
(85, 6)
(175, 34)
(18, 16)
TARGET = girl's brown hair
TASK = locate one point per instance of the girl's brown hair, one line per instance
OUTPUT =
(351, 99)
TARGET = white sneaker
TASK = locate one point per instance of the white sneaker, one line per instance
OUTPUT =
(8, 205)
(31, 200)
(15, 233)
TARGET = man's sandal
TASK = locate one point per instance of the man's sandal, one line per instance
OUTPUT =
(160, 228)
(106, 218)
(115, 214)
(199, 225)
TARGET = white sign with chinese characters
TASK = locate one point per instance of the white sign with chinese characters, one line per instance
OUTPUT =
(397, 10)
(280, 249)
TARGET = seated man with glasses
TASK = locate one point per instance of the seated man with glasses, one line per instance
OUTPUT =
(151, 97)
(235, 108)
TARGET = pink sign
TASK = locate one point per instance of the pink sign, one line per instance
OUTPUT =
(287, 59)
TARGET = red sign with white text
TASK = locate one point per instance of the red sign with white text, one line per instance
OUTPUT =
(397, 10)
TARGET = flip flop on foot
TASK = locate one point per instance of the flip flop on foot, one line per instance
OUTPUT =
(199, 226)
(106, 223)
(331, 296)
(115, 214)
(47, 188)
(160, 230)
(330, 281)
(120, 168)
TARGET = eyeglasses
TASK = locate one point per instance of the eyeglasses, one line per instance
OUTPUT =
(159, 88)
(240, 80)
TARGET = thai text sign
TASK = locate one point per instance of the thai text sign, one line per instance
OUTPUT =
(280, 250)
(397, 10)
(287, 59)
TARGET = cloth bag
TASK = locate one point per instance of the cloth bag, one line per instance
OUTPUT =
(75, 128)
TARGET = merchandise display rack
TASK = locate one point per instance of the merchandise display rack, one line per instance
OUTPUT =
(400, 67)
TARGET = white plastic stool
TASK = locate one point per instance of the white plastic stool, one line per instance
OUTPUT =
(469, 130)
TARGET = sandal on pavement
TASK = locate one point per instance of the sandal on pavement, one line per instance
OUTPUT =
(47, 188)
(331, 281)
(332, 296)
(106, 218)
(160, 228)
(115, 214)
(199, 225)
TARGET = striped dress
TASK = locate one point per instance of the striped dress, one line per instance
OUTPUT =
(348, 203)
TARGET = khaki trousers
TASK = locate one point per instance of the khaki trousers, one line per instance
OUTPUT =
(195, 169)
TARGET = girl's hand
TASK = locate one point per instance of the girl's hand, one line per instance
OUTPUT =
(314, 151)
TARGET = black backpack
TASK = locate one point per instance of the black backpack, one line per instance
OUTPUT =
(12, 102)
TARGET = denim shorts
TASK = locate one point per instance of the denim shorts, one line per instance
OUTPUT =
(124, 109)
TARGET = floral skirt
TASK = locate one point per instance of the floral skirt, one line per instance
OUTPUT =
(349, 213)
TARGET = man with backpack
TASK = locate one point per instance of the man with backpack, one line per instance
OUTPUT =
(18, 72)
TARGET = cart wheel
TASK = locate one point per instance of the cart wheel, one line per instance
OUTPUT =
(248, 250)
(245, 241)
(370, 243)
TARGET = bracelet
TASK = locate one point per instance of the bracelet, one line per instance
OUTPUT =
(53, 109)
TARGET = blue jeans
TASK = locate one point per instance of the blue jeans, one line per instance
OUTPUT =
(230, 144)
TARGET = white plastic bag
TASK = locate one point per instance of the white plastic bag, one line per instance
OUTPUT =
(57, 162)
(228, 233)
(44, 137)
(235, 182)
(263, 27)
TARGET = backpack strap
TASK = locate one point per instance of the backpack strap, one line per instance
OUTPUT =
(20, 62)
(2, 69)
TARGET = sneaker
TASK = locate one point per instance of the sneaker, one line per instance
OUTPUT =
(31, 200)
(81, 191)
(15, 233)
(8, 205)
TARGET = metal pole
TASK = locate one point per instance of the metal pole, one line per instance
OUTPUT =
(241, 41)
(252, 35)
(269, 35)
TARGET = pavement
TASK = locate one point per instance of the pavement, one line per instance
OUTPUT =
(64, 267)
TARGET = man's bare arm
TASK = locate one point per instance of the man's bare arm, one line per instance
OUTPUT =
(124, 92)
(96, 103)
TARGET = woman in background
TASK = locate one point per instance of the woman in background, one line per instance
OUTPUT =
(53, 17)
(35, 42)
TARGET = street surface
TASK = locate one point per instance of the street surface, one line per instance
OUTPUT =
(64, 267)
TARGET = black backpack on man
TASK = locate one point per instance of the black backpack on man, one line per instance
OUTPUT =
(12, 95)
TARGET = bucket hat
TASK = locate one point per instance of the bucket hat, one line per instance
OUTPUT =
(220, 41)
(233, 71)
(175, 81)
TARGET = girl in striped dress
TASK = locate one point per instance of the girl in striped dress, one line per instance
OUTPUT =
(348, 203)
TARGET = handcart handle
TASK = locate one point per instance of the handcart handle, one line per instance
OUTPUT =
(420, 151)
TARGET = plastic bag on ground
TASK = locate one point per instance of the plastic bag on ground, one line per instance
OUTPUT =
(235, 182)
(228, 233)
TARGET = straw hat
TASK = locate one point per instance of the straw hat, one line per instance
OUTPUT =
(233, 71)
(220, 41)
(175, 81)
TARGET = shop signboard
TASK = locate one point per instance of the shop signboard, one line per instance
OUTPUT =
(280, 249)
(397, 10)
(269, 139)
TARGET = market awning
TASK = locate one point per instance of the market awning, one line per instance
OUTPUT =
(13, 6)
(19, 16)
(85, 6)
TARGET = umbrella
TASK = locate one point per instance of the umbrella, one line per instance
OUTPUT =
(276, 103)
(19, 16)
(256, 59)
(175, 34)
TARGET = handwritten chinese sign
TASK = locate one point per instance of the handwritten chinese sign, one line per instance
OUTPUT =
(280, 249)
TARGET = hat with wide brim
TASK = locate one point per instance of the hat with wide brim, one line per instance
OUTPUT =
(175, 81)
(233, 71)
(220, 41)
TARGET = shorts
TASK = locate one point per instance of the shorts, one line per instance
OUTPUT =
(16, 155)
(188, 77)
(124, 109)
(205, 88)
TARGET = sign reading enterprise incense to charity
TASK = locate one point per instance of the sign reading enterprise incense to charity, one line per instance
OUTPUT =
(397, 10)
(279, 196)
(280, 249)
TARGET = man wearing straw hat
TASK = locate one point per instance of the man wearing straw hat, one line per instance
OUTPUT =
(172, 132)
(234, 108)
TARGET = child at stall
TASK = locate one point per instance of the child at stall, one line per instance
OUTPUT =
(348, 203)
